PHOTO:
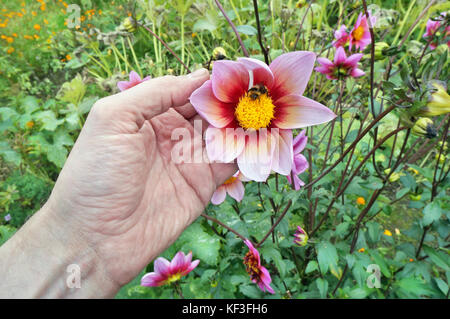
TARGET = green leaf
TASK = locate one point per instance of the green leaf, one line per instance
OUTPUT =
(327, 256)
(312, 266)
(402, 192)
(6, 233)
(442, 285)
(438, 259)
(272, 254)
(411, 287)
(431, 213)
(250, 291)
(9, 155)
(322, 284)
(57, 154)
(48, 120)
(203, 246)
(247, 29)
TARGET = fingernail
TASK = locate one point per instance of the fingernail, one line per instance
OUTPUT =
(198, 73)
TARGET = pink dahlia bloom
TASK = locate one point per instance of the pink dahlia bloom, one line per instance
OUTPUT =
(135, 79)
(300, 163)
(233, 186)
(360, 34)
(342, 66)
(341, 37)
(168, 272)
(432, 31)
(252, 109)
(258, 274)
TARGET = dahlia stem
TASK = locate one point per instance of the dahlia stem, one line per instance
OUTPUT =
(258, 26)
(244, 50)
(276, 224)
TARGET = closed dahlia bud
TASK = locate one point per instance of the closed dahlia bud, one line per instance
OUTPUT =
(129, 24)
(439, 103)
(424, 126)
(300, 237)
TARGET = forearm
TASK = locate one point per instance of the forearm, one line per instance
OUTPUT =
(41, 261)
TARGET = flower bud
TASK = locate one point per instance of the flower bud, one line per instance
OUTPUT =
(424, 127)
(394, 177)
(300, 3)
(219, 53)
(380, 48)
(415, 197)
(441, 158)
(300, 237)
(129, 24)
(439, 103)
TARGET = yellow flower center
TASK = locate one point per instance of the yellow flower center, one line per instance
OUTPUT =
(230, 180)
(358, 33)
(253, 112)
(174, 277)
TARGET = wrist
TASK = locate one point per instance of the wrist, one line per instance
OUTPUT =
(48, 259)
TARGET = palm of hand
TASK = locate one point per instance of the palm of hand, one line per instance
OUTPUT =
(131, 200)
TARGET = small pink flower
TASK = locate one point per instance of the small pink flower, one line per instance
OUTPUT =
(8, 218)
(233, 186)
(341, 36)
(432, 30)
(168, 272)
(135, 79)
(256, 106)
(360, 34)
(342, 66)
(300, 163)
(258, 274)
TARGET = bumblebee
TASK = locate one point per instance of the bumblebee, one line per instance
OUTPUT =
(218, 53)
(256, 90)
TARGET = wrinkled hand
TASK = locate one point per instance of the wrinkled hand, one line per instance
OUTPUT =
(120, 188)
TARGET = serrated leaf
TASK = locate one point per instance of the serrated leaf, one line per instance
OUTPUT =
(431, 213)
(438, 259)
(203, 246)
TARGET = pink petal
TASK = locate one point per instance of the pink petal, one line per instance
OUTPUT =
(224, 144)
(300, 164)
(177, 264)
(357, 73)
(291, 72)
(352, 61)
(134, 77)
(217, 113)
(192, 266)
(152, 280)
(146, 78)
(300, 142)
(323, 69)
(219, 195)
(236, 190)
(162, 266)
(230, 80)
(261, 71)
(339, 56)
(325, 62)
(123, 85)
(283, 155)
(256, 159)
(295, 111)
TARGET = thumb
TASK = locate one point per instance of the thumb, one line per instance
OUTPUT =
(155, 96)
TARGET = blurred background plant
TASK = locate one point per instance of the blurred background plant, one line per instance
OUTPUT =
(386, 201)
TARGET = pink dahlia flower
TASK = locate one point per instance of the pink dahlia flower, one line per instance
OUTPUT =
(168, 272)
(135, 79)
(432, 31)
(300, 163)
(360, 34)
(233, 186)
(252, 109)
(342, 66)
(258, 274)
(341, 36)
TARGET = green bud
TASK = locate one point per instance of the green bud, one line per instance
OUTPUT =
(439, 103)
(424, 126)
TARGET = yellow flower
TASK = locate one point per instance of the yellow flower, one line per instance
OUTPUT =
(194, 34)
(439, 104)
(43, 7)
(387, 232)
(45, 21)
(397, 232)
(361, 250)
(33, 13)
(9, 40)
(14, 35)
(360, 201)
(68, 57)
(37, 27)
(10, 50)
(36, 36)
(29, 124)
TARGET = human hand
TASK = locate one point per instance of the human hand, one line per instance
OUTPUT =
(119, 192)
